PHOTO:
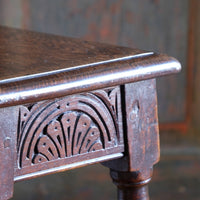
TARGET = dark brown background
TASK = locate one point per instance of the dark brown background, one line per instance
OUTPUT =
(170, 27)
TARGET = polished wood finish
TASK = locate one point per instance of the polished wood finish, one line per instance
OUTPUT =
(27, 76)
(70, 103)
(129, 187)
(59, 53)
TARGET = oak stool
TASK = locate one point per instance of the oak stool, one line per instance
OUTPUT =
(67, 103)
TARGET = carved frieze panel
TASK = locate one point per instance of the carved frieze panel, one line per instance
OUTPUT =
(72, 126)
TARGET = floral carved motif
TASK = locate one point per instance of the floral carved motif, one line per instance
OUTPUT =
(63, 128)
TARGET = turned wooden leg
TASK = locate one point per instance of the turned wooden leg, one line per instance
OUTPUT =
(141, 139)
(129, 187)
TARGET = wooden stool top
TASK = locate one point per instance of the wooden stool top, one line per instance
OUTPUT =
(37, 66)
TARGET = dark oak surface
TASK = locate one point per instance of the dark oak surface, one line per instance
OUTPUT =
(20, 53)
(42, 66)
(70, 103)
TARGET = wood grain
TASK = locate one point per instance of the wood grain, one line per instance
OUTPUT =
(35, 53)
(132, 173)
(35, 66)
(8, 124)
